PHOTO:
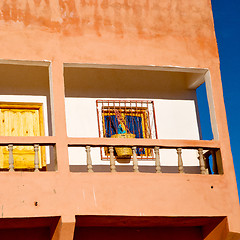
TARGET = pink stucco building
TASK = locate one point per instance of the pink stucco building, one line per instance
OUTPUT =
(72, 72)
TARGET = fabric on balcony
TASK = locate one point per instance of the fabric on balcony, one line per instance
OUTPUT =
(111, 125)
(134, 124)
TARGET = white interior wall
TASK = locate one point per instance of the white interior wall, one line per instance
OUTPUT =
(175, 119)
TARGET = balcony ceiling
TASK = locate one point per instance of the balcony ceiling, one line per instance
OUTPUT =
(84, 80)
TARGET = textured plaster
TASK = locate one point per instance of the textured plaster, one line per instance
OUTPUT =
(173, 33)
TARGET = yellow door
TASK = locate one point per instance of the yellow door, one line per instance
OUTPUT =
(21, 120)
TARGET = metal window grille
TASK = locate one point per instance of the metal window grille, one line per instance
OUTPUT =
(143, 108)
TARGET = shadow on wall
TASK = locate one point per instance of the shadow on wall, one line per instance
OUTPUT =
(26, 80)
(145, 169)
(126, 83)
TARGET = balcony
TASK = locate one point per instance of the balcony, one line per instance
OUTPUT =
(165, 95)
(163, 98)
(84, 178)
(208, 154)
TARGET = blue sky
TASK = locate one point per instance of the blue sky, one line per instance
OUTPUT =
(227, 26)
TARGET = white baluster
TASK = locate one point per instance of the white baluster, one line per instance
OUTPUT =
(112, 160)
(157, 160)
(135, 161)
(36, 158)
(180, 161)
(89, 159)
(201, 161)
(11, 160)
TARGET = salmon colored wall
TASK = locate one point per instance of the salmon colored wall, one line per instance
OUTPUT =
(144, 32)
(109, 31)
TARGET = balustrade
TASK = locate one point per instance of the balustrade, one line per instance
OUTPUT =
(11, 158)
(203, 158)
(23, 158)
(208, 163)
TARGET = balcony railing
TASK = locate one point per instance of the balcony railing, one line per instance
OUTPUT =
(36, 158)
(208, 152)
(209, 156)
(35, 144)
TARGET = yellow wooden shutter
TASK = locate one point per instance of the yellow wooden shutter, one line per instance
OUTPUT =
(20, 122)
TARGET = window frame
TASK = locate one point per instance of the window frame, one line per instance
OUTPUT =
(125, 107)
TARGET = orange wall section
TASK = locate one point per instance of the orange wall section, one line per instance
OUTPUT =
(109, 31)
(128, 32)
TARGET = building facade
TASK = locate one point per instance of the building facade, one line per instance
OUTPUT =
(100, 133)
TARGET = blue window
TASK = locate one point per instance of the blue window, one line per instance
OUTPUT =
(134, 124)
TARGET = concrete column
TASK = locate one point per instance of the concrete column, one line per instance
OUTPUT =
(65, 228)
(58, 114)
